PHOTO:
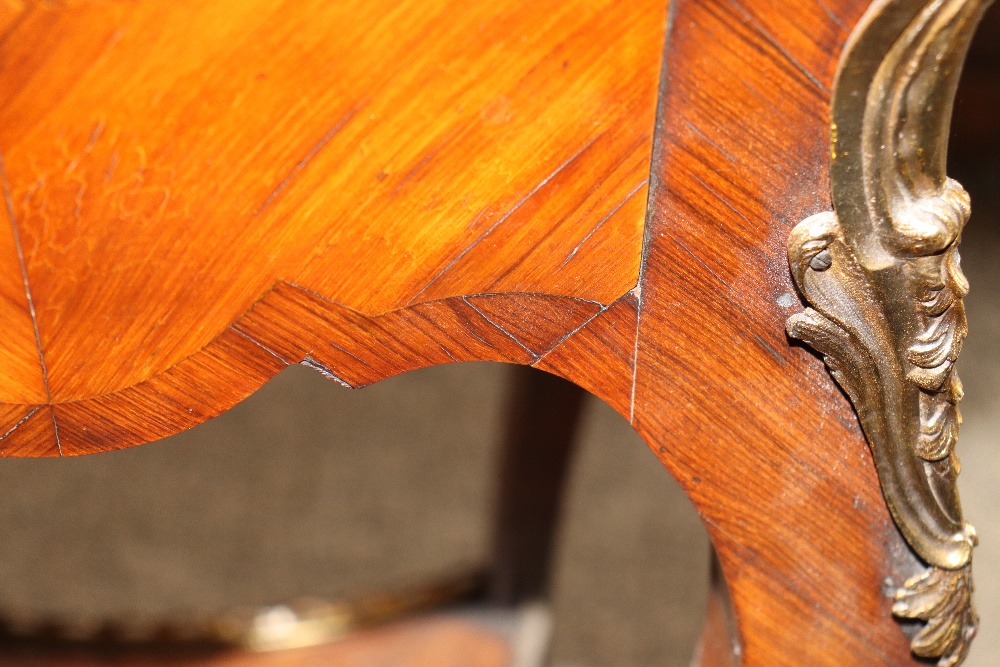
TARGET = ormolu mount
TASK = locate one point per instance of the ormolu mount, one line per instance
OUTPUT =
(882, 275)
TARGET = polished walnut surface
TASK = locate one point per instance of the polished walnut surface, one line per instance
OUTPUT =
(201, 194)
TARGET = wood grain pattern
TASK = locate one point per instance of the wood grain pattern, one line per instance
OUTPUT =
(19, 360)
(600, 356)
(422, 136)
(768, 450)
(31, 431)
(293, 325)
(205, 192)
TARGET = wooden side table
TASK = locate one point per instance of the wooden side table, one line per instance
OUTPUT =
(199, 194)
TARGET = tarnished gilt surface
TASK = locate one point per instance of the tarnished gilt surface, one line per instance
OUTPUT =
(883, 275)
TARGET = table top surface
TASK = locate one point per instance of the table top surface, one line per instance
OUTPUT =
(167, 164)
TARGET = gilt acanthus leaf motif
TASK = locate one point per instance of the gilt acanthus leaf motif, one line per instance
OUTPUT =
(882, 276)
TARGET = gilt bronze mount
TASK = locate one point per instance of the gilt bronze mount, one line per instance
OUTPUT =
(881, 274)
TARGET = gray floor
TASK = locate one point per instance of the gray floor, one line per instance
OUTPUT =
(311, 489)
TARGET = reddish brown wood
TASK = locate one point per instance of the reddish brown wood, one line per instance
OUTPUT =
(202, 193)
(767, 448)
(168, 153)
(293, 325)
(600, 356)
(34, 427)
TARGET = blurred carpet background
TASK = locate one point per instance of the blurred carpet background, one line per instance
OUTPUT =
(310, 489)
(979, 367)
